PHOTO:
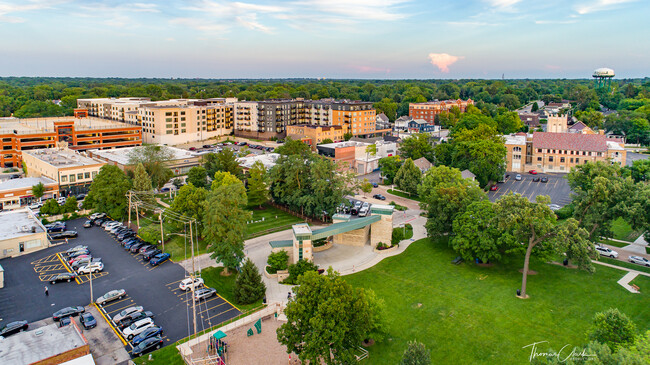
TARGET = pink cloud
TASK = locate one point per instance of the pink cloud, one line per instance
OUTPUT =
(443, 60)
(371, 69)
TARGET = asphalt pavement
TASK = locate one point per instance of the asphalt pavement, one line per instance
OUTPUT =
(557, 187)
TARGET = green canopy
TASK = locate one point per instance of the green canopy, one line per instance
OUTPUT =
(219, 335)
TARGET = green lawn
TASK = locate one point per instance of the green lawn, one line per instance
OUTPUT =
(466, 314)
(403, 194)
(623, 231)
(614, 243)
(225, 286)
(168, 355)
(398, 207)
(626, 264)
(274, 219)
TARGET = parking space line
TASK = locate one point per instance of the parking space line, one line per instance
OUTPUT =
(119, 335)
(113, 303)
(120, 309)
(213, 307)
(85, 277)
(218, 314)
(46, 268)
(44, 260)
(234, 306)
(174, 282)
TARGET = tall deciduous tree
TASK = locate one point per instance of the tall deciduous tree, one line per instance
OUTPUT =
(198, 176)
(328, 319)
(416, 146)
(293, 147)
(225, 161)
(258, 192)
(444, 194)
(190, 202)
(366, 187)
(154, 158)
(408, 177)
(249, 287)
(108, 192)
(222, 178)
(531, 228)
(613, 328)
(389, 167)
(224, 224)
(476, 233)
(38, 190)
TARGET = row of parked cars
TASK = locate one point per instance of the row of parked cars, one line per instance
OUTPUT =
(64, 317)
(356, 207)
(82, 261)
(58, 231)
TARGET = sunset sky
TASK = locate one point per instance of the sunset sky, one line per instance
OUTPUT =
(325, 38)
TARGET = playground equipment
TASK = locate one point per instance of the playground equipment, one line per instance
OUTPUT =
(218, 347)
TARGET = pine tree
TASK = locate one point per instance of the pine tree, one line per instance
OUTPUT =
(258, 193)
(416, 354)
(249, 287)
(408, 177)
(142, 183)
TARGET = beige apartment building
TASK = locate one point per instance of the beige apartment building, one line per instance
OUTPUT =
(72, 170)
(21, 233)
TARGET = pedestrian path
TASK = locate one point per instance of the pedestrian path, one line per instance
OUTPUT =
(625, 282)
(162, 203)
(621, 268)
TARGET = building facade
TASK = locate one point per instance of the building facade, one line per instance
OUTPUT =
(180, 163)
(21, 233)
(315, 134)
(18, 192)
(18, 135)
(430, 109)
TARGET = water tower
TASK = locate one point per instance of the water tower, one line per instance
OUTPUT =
(603, 77)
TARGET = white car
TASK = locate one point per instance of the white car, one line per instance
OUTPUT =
(36, 206)
(363, 212)
(518, 177)
(640, 260)
(554, 207)
(61, 200)
(128, 311)
(111, 225)
(187, 283)
(604, 251)
(137, 328)
(91, 268)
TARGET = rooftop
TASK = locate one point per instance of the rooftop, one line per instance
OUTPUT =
(18, 223)
(25, 182)
(466, 174)
(62, 157)
(515, 139)
(323, 127)
(570, 141)
(343, 144)
(121, 155)
(46, 125)
(268, 160)
(39, 344)
(443, 102)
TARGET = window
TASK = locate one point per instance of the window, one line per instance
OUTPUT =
(94, 174)
(539, 158)
(86, 175)
(168, 114)
(182, 119)
(80, 176)
(182, 130)
(168, 120)
(561, 159)
(577, 160)
(72, 178)
(539, 150)
(64, 178)
(169, 132)
(516, 149)
(571, 160)
(182, 124)
(550, 158)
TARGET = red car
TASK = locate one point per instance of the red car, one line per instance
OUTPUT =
(494, 187)
(78, 258)
(533, 172)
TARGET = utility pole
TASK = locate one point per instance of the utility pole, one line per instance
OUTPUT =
(130, 208)
(192, 276)
(137, 215)
(162, 237)
(91, 287)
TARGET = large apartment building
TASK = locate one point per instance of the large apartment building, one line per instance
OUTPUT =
(430, 109)
(17, 135)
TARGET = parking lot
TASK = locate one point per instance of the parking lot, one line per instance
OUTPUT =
(154, 288)
(557, 187)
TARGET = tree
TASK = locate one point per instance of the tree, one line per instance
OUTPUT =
(51, 207)
(388, 107)
(224, 224)
(38, 190)
(508, 122)
(535, 107)
(639, 171)
(298, 269)
(222, 178)
(347, 136)
(293, 147)
(249, 287)
(108, 192)
(190, 202)
(371, 150)
(389, 167)
(154, 158)
(150, 234)
(141, 180)
(416, 354)
(476, 234)
(258, 192)
(327, 320)
(593, 119)
(444, 194)
(481, 151)
(177, 183)
(531, 227)
(366, 187)
(613, 328)
(225, 161)
(278, 261)
(326, 141)
(70, 205)
(198, 177)
(417, 146)
(408, 177)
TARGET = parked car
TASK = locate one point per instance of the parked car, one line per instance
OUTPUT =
(379, 196)
(164, 190)
(76, 260)
(66, 276)
(145, 248)
(136, 246)
(79, 253)
(67, 312)
(207, 146)
(639, 260)
(97, 216)
(127, 246)
(35, 206)
(137, 328)
(544, 179)
(98, 222)
(93, 267)
(63, 235)
(536, 179)
(64, 321)
(518, 177)
(533, 172)
(80, 197)
(554, 207)
(148, 255)
(159, 259)
(375, 185)
(192, 148)
(125, 234)
(12, 328)
(605, 251)
(187, 284)
(83, 262)
(55, 228)
(128, 241)
(204, 293)
(111, 296)
(88, 223)
(355, 208)
(128, 311)
(132, 318)
(147, 345)
(76, 248)
(87, 321)
(364, 211)
(148, 333)
(494, 187)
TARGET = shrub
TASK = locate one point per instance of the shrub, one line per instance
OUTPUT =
(416, 354)
(51, 207)
(398, 235)
(613, 328)
(565, 212)
(70, 205)
(278, 261)
(249, 287)
(297, 269)
(382, 246)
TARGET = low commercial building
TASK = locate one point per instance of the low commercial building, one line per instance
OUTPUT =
(267, 159)
(73, 171)
(47, 345)
(353, 155)
(18, 192)
(430, 109)
(181, 162)
(19, 135)
(315, 134)
(21, 233)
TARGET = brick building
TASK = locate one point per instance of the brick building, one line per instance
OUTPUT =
(430, 109)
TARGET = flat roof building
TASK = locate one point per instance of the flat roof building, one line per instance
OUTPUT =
(21, 233)
(181, 162)
(428, 110)
(267, 159)
(18, 192)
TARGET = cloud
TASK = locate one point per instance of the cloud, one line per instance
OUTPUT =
(599, 5)
(9, 8)
(502, 5)
(472, 24)
(555, 21)
(117, 15)
(383, 10)
(443, 60)
(371, 69)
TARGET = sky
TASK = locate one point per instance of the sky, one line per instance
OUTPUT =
(361, 39)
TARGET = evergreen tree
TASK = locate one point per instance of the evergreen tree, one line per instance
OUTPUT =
(416, 354)
(408, 177)
(249, 287)
(258, 192)
(141, 180)
(198, 177)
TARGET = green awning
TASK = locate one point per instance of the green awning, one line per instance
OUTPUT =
(219, 335)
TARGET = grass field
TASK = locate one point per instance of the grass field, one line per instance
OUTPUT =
(269, 213)
(614, 243)
(467, 314)
(225, 286)
(626, 264)
(622, 231)
(403, 194)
